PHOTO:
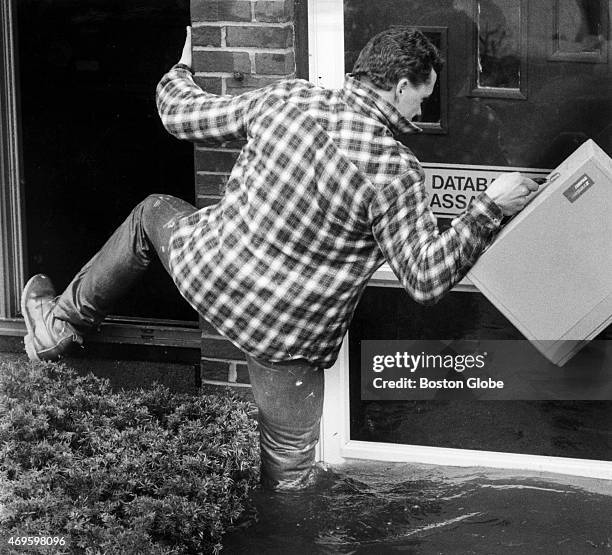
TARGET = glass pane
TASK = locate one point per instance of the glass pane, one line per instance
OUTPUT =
(499, 48)
(93, 145)
(580, 429)
(564, 104)
(359, 29)
(580, 26)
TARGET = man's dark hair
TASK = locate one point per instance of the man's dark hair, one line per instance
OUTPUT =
(396, 53)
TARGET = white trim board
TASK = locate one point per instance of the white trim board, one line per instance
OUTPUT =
(326, 42)
(468, 458)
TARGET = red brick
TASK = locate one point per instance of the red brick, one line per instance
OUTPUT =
(206, 36)
(242, 372)
(220, 10)
(203, 202)
(207, 60)
(202, 10)
(220, 348)
(206, 327)
(210, 184)
(263, 37)
(275, 64)
(235, 10)
(270, 11)
(210, 84)
(214, 370)
(215, 160)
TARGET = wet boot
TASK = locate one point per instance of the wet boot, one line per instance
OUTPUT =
(48, 337)
(289, 396)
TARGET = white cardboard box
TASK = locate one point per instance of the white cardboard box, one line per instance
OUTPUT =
(549, 271)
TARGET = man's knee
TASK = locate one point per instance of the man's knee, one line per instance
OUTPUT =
(165, 208)
(151, 202)
(146, 209)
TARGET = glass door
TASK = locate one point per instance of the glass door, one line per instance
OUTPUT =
(524, 84)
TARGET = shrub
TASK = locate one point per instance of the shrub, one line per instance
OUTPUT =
(144, 471)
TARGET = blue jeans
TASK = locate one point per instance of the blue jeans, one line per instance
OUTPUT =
(290, 400)
(289, 395)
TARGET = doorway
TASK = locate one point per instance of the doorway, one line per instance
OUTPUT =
(93, 146)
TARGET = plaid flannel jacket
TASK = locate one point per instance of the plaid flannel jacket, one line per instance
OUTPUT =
(321, 195)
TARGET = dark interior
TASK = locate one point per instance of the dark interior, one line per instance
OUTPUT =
(93, 145)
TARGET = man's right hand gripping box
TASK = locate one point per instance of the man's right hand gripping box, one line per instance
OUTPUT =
(549, 271)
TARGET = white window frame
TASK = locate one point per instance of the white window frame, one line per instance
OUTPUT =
(326, 68)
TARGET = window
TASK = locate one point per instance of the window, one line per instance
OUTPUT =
(359, 29)
(561, 105)
(500, 62)
(580, 31)
(81, 144)
(572, 429)
(92, 144)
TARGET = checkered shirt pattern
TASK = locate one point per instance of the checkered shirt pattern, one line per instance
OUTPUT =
(321, 195)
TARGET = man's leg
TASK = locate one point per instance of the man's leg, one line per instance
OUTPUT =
(290, 400)
(54, 324)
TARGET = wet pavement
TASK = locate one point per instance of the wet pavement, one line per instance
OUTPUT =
(421, 509)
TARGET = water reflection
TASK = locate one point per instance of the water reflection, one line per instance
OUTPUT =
(389, 508)
(577, 429)
(572, 429)
(499, 48)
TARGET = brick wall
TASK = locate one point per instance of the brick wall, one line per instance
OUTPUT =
(238, 45)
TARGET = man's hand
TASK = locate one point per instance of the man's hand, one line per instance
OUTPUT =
(186, 55)
(511, 192)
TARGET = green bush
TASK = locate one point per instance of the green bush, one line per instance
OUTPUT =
(128, 472)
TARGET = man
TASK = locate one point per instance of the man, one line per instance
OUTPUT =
(320, 196)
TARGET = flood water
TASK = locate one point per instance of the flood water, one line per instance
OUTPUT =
(399, 508)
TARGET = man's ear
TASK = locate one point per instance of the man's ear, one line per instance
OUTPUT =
(401, 86)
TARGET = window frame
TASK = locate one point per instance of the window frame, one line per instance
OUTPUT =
(556, 55)
(12, 230)
(440, 127)
(519, 93)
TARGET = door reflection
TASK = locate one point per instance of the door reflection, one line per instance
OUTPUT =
(575, 429)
